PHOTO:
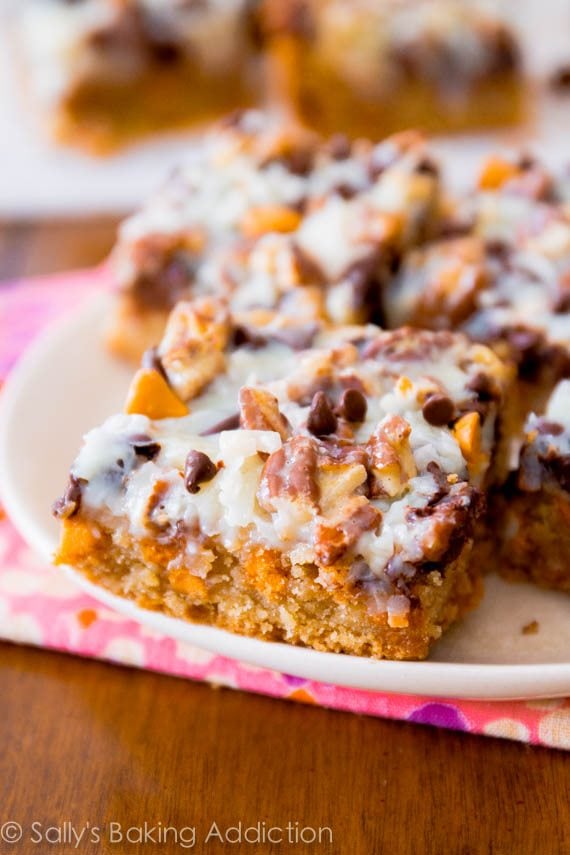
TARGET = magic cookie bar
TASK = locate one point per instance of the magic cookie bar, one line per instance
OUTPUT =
(534, 513)
(269, 217)
(111, 70)
(320, 489)
(505, 282)
(369, 67)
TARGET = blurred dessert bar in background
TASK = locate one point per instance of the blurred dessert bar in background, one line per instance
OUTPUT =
(271, 218)
(533, 512)
(371, 67)
(109, 71)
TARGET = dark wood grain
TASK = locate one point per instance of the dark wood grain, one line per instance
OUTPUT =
(82, 741)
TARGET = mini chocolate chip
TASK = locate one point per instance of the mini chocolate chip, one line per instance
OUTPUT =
(560, 80)
(246, 337)
(144, 446)
(483, 387)
(229, 423)
(322, 420)
(438, 410)
(68, 505)
(165, 53)
(426, 166)
(352, 406)
(198, 469)
(151, 362)
(338, 146)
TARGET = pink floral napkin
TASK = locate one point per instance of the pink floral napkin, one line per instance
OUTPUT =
(40, 606)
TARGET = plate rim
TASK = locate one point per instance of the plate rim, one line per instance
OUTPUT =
(517, 681)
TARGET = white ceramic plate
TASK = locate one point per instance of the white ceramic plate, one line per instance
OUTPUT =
(66, 384)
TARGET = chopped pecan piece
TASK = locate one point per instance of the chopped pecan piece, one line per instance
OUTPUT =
(334, 538)
(290, 472)
(192, 349)
(391, 456)
(259, 410)
(338, 482)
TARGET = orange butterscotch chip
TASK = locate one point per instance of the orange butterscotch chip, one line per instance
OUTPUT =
(467, 432)
(183, 582)
(269, 218)
(78, 540)
(496, 172)
(262, 568)
(150, 395)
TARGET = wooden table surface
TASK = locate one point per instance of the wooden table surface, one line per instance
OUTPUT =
(85, 742)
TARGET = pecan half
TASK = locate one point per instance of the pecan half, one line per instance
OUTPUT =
(290, 472)
(334, 538)
(259, 410)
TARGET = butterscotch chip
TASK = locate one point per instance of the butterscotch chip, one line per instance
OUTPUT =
(467, 431)
(150, 395)
(276, 218)
(496, 172)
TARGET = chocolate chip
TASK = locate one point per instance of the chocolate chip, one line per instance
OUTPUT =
(438, 410)
(365, 277)
(352, 406)
(68, 505)
(246, 337)
(198, 469)
(229, 423)
(144, 446)
(560, 80)
(151, 362)
(338, 146)
(322, 420)
(483, 387)
(165, 53)
(426, 166)
(559, 468)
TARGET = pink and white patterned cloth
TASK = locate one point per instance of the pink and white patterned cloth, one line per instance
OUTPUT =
(40, 606)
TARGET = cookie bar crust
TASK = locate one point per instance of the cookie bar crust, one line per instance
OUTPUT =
(369, 69)
(111, 71)
(321, 488)
(259, 594)
(270, 217)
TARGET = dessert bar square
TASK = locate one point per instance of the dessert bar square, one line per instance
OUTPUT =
(369, 68)
(533, 514)
(505, 280)
(320, 487)
(108, 71)
(270, 217)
